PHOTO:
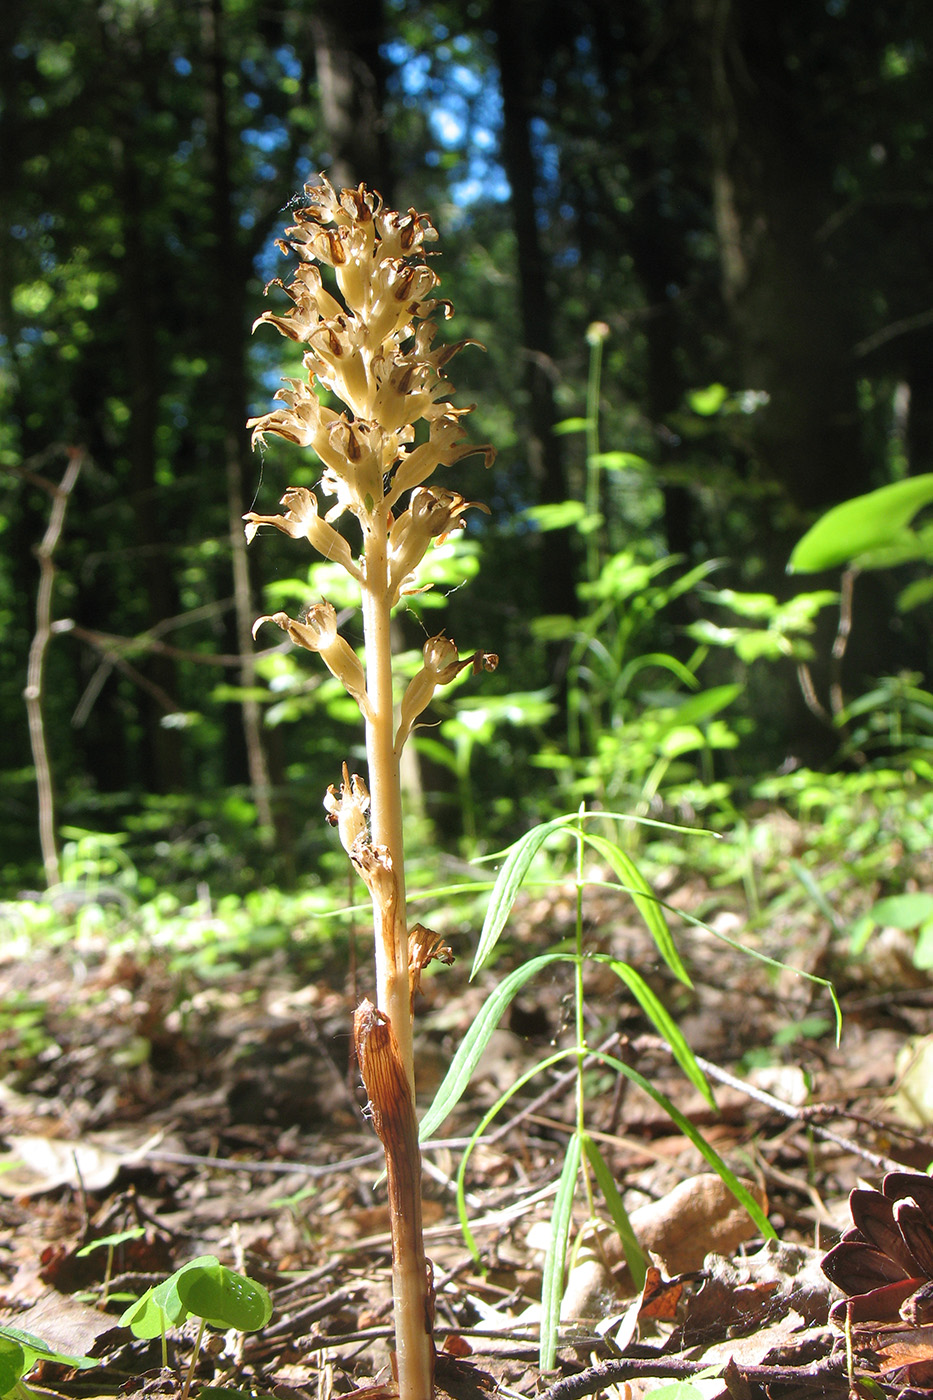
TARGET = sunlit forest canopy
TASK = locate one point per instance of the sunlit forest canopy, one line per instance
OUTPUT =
(694, 240)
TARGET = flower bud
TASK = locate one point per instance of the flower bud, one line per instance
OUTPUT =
(441, 664)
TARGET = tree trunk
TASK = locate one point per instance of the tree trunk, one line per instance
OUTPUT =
(351, 76)
(164, 768)
(773, 192)
(513, 21)
(227, 276)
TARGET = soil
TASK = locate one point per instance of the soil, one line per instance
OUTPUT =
(192, 1113)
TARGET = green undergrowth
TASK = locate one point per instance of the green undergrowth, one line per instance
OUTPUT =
(826, 844)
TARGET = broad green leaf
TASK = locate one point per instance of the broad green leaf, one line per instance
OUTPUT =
(145, 1318)
(634, 1254)
(645, 901)
(224, 1298)
(12, 1364)
(860, 933)
(917, 593)
(508, 883)
(162, 1306)
(759, 606)
(571, 425)
(619, 461)
(202, 1288)
(904, 911)
(857, 527)
(35, 1349)
(477, 1038)
(708, 400)
(552, 1283)
(661, 1018)
(923, 953)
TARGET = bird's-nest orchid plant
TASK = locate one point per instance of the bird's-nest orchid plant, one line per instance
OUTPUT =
(370, 345)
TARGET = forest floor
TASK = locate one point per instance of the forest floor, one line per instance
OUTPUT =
(217, 1111)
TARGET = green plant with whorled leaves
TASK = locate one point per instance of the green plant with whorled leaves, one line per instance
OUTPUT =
(584, 1161)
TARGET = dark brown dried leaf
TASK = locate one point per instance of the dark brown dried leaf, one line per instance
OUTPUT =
(880, 1305)
(859, 1268)
(873, 1215)
(897, 1185)
(916, 1226)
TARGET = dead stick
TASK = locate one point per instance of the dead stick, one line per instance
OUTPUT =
(596, 1378)
(36, 664)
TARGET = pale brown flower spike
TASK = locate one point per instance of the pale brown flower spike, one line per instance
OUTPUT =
(370, 345)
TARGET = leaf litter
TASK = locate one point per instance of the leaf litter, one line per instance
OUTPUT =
(200, 1116)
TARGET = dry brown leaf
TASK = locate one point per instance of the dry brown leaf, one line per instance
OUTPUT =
(699, 1217)
(35, 1164)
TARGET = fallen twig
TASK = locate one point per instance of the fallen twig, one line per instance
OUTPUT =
(596, 1378)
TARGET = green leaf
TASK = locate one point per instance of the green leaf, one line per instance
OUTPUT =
(690, 1131)
(645, 901)
(224, 1298)
(634, 1254)
(697, 708)
(477, 1038)
(557, 516)
(661, 1018)
(508, 883)
(708, 401)
(145, 1318)
(35, 1349)
(12, 1364)
(571, 425)
(904, 911)
(552, 1283)
(202, 1288)
(917, 593)
(923, 953)
(619, 461)
(874, 521)
(106, 1241)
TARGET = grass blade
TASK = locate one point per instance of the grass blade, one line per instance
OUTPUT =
(646, 902)
(661, 1018)
(634, 1255)
(552, 1284)
(699, 1141)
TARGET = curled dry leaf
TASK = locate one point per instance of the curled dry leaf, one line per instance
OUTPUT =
(699, 1217)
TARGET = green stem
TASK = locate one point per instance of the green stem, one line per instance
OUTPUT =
(579, 1022)
(194, 1361)
(592, 450)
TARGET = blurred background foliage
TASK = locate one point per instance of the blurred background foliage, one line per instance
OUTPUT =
(695, 241)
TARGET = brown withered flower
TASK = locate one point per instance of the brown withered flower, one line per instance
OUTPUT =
(884, 1264)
